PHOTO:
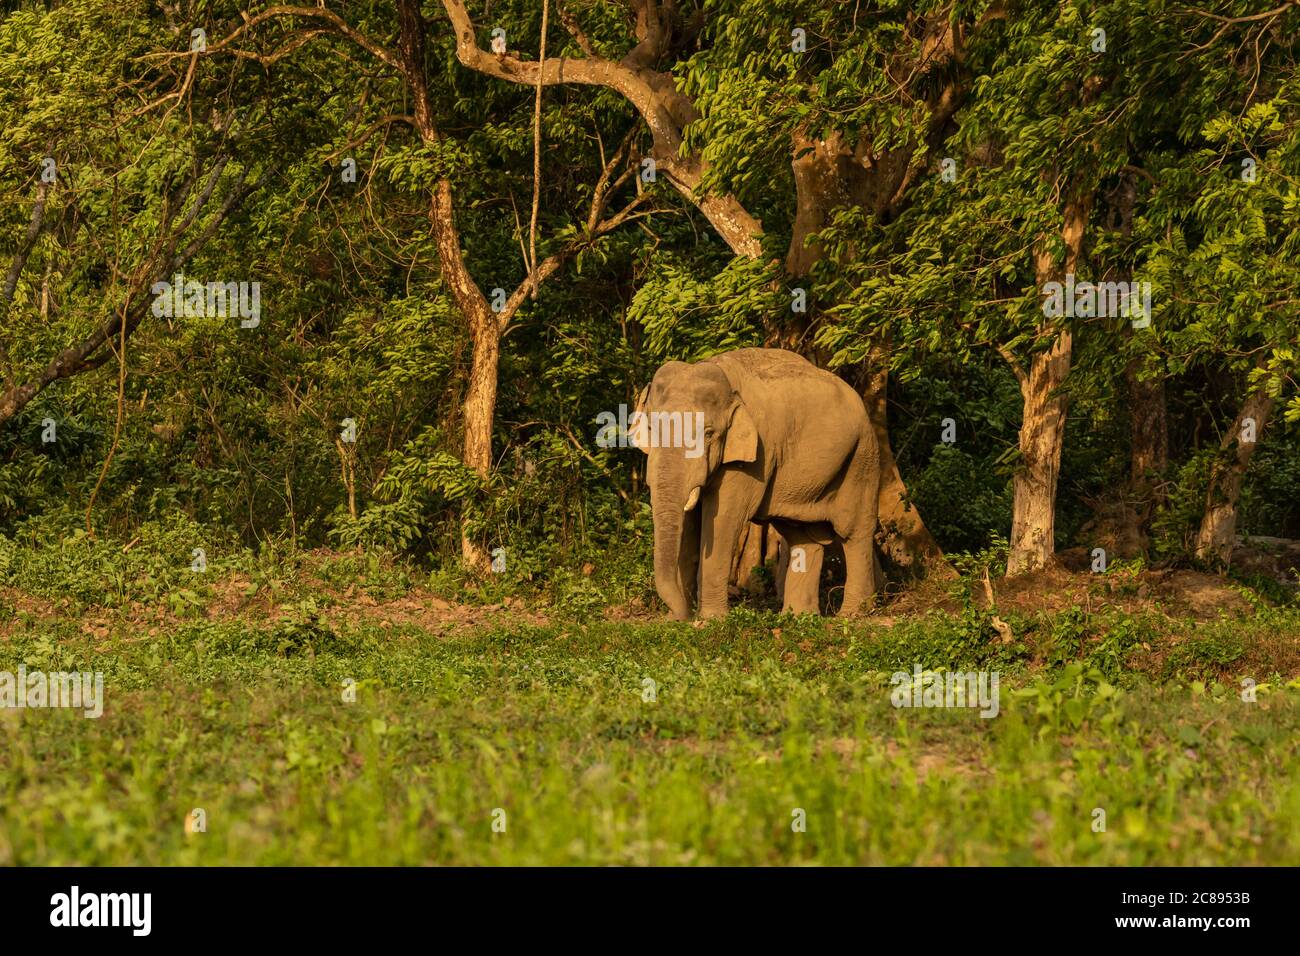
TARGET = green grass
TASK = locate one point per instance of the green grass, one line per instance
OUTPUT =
(755, 716)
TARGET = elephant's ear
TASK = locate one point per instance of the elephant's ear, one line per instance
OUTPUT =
(638, 431)
(742, 437)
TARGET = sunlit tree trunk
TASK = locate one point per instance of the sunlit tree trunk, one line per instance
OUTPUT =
(479, 414)
(903, 537)
(481, 392)
(486, 326)
(1042, 429)
(1042, 433)
(1218, 531)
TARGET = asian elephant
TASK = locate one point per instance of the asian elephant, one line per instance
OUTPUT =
(757, 435)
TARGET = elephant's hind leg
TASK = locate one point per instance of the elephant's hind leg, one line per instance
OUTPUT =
(857, 527)
(859, 574)
(802, 564)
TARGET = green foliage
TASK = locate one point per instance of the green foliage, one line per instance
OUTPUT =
(963, 499)
(690, 318)
(240, 428)
(1078, 694)
(750, 716)
(51, 556)
(1175, 525)
(1272, 487)
(340, 421)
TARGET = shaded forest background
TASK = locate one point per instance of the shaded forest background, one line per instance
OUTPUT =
(464, 304)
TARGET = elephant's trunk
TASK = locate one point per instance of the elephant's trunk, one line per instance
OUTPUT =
(668, 563)
(669, 497)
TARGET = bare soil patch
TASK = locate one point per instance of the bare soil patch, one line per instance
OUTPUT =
(1175, 593)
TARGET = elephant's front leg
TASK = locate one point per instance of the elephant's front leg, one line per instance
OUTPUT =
(726, 509)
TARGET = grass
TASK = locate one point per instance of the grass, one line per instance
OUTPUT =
(552, 729)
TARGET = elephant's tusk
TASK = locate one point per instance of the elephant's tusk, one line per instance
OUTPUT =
(693, 499)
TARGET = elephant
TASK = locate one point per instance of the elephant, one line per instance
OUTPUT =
(758, 435)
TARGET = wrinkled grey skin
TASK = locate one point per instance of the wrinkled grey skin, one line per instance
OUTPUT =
(785, 443)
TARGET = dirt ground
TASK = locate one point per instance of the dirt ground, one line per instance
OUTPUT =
(1177, 593)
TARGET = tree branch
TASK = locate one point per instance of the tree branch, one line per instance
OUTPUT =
(25, 247)
(337, 25)
(124, 320)
(665, 111)
(606, 186)
(1016, 368)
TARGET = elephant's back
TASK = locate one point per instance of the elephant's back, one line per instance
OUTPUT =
(759, 361)
(761, 370)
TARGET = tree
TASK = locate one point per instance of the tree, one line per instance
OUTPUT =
(486, 322)
(716, 134)
(1221, 235)
(185, 175)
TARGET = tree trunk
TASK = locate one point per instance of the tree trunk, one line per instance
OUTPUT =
(901, 535)
(484, 325)
(1148, 409)
(1042, 432)
(1148, 429)
(1148, 455)
(829, 174)
(1042, 426)
(1218, 531)
(479, 415)
(479, 412)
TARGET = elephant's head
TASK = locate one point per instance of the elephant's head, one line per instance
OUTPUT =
(691, 422)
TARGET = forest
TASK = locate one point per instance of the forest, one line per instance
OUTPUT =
(311, 318)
